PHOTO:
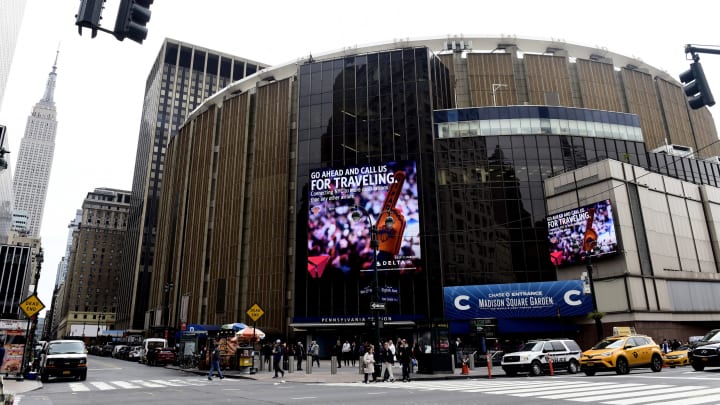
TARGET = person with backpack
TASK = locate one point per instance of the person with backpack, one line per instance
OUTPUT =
(278, 353)
(315, 353)
(215, 362)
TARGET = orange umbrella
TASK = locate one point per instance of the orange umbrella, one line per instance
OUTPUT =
(249, 333)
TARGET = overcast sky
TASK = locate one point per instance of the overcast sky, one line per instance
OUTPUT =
(101, 81)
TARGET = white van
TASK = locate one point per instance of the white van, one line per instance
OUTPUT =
(151, 344)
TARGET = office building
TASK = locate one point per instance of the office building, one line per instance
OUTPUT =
(91, 291)
(181, 78)
(11, 15)
(35, 158)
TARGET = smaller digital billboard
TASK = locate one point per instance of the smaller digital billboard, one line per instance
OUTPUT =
(340, 242)
(566, 233)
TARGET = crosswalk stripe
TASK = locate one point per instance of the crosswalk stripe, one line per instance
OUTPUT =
(124, 384)
(569, 389)
(684, 395)
(76, 387)
(559, 386)
(696, 400)
(680, 391)
(585, 391)
(593, 392)
(148, 384)
(167, 383)
(102, 386)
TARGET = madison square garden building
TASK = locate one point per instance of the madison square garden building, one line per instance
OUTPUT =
(488, 154)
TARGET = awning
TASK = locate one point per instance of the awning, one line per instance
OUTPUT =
(335, 325)
(197, 328)
(112, 333)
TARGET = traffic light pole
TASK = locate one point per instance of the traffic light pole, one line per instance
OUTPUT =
(694, 49)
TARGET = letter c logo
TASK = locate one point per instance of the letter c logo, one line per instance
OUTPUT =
(568, 297)
(459, 302)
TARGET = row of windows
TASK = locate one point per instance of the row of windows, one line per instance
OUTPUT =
(538, 126)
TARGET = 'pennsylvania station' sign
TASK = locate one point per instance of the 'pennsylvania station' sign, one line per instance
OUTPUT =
(520, 300)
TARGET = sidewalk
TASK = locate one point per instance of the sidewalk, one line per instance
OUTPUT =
(12, 386)
(343, 374)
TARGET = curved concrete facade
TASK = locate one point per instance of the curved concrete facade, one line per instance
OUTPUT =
(233, 227)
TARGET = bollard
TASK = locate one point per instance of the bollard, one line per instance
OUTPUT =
(489, 364)
(472, 361)
(452, 358)
(333, 365)
(549, 360)
(360, 365)
(292, 360)
(308, 364)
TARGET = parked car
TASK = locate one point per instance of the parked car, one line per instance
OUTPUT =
(706, 351)
(63, 358)
(106, 350)
(621, 353)
(533, 358)
(677, 357)
(162, 356)
(116, 350)
(123, 353)
(135, 353)
(149, 345)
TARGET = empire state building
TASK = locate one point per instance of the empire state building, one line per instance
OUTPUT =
(32, 170)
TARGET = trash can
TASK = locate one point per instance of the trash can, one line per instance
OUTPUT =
(245, 360)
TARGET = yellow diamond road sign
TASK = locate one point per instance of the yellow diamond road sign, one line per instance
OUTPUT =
(255, 312)
(32, 305)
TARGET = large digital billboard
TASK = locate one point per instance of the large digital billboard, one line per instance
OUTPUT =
(566, 232)
(338, 243)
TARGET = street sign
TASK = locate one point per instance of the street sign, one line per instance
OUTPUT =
(377, 306)
(32, 305)
(255, 312)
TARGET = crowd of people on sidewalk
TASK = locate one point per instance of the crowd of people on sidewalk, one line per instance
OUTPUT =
(376, 362)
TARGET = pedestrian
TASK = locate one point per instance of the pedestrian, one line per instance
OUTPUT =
(337, 352)
(278, 358)
(675, 345)
(353, 353)
(368, 360)
(404, 355)
(315, 353)
(665, 347)
(386, 359)
(300, 353)
(346, 353)
(267, 355)
(215, 362)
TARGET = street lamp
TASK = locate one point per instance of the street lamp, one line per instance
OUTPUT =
(375, 306)
(33, 320)
(589, 243)
(496, 86)
(100, 316)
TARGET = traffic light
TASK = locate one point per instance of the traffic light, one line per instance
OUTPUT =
(89, 15)
(696, 87)
(132, 17)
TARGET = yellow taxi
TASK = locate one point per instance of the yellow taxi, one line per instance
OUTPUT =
(677, 357)
(621, 353)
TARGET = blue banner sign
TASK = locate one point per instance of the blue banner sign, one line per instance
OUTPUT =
(519, 300)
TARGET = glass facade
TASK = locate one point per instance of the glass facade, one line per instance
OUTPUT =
(368, 110)
(490, 195)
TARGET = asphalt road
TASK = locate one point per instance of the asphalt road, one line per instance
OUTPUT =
(113, 381)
